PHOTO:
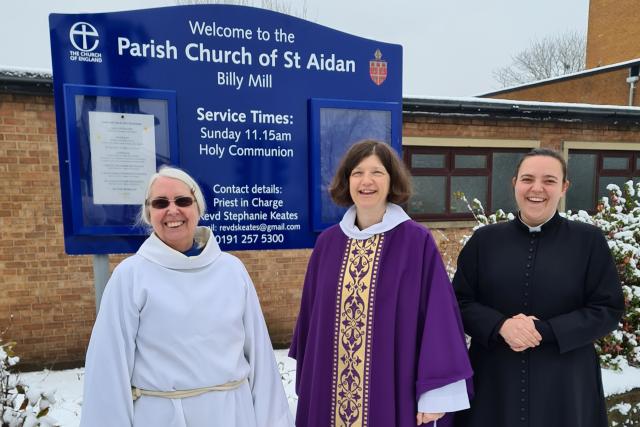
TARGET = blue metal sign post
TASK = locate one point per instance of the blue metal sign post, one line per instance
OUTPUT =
(256, 105)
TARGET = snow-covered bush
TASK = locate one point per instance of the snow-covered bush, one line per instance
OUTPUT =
(618, 216)
(476, 208)
(21, 405)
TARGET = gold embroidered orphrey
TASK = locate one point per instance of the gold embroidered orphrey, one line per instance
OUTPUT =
(352, 332)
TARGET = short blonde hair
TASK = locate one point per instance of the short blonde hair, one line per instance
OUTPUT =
(144, 217)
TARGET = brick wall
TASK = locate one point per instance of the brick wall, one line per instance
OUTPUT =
(47, 297)
(613, 33)
(45, 305)
(551, 134)
(605, 88)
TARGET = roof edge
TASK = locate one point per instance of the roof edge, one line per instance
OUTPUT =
(26, 81)
(590, 71)
(521, 109)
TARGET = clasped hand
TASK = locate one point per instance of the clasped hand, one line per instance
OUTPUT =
(520, 332)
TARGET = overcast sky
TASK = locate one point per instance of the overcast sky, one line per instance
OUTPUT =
(450, 47)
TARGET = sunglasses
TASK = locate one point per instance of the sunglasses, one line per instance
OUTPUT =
(163, 202)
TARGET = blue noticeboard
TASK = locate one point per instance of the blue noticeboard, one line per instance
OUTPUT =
(256, 105)
(335, 126)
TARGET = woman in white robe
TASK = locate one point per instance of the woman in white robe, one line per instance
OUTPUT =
(181, 315)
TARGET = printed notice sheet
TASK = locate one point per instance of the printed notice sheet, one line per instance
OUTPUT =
(123, 156)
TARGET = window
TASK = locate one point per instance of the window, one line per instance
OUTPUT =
(439, 174)
(591, 171)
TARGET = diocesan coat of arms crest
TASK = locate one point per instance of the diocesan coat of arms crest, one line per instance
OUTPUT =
(378, 68)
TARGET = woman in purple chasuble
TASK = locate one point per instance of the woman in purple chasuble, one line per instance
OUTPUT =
(379, 340)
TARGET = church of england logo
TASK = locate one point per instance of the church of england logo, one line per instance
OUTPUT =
(85, 39)
(378, 68)
(84, 36)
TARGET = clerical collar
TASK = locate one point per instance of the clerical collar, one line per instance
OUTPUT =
(194, 250)
(158, 252)
(537, 228)
(393, 216)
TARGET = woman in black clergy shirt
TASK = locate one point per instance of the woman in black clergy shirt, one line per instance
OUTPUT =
(534, 294)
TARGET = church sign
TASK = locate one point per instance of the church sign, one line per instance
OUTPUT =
(258, 106)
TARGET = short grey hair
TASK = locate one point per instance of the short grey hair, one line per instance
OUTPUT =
(144, 217)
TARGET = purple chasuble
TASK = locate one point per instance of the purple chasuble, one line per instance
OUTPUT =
(413, 341)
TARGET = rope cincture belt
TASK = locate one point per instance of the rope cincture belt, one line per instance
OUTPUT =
(181, 394)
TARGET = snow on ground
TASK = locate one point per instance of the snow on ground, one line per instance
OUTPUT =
(622, 381)
(68, 386)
